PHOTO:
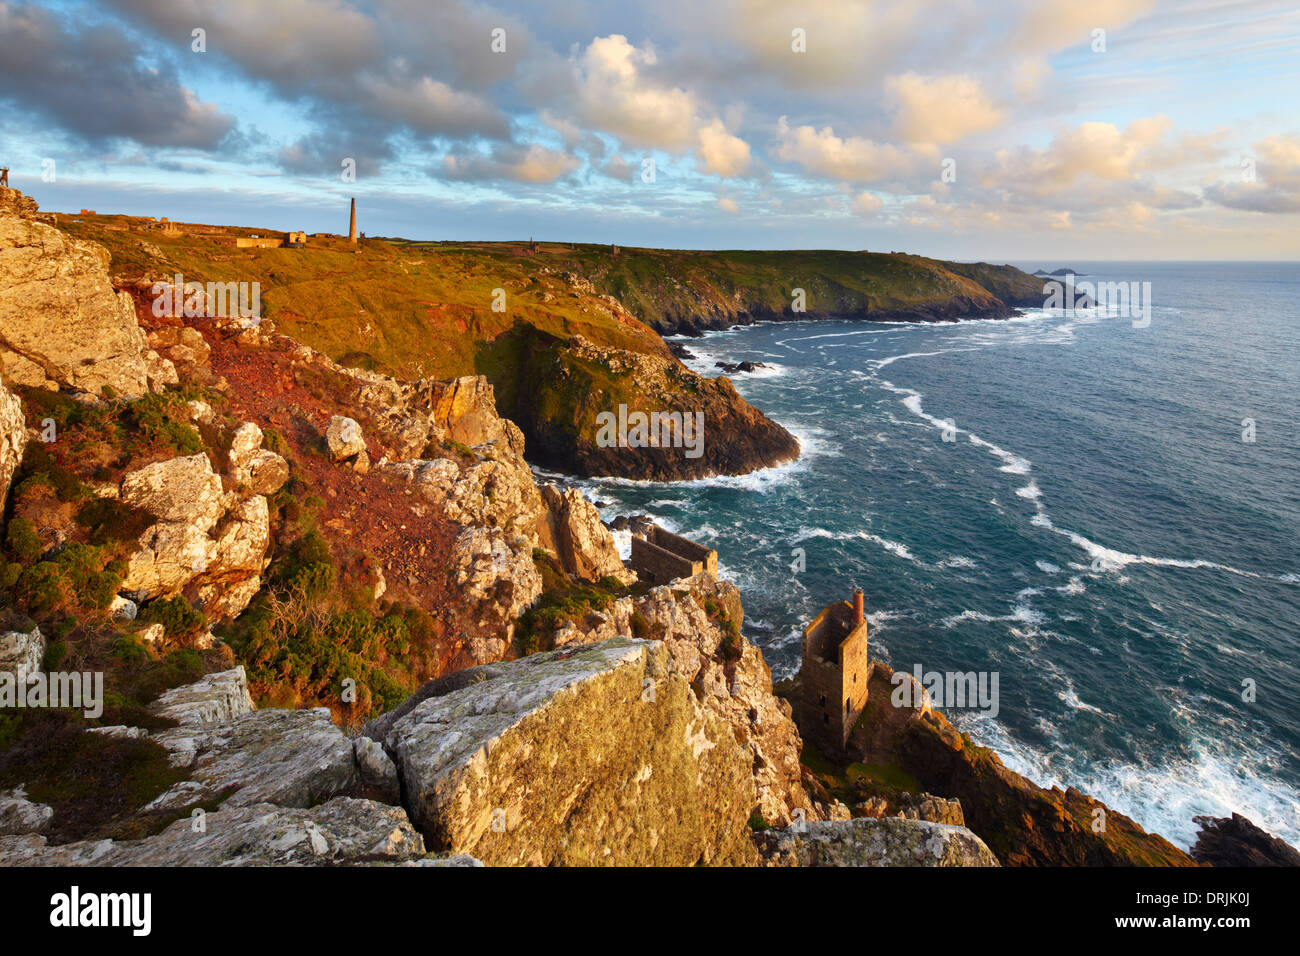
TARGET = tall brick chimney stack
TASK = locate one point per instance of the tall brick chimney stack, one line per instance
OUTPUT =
(352, 223)
(859, 610)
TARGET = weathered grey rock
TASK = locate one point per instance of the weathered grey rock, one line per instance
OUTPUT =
(187, 496)
(178, 489)
(869, 841)
(341, 831)
(377, 771)
(343, 438)
(184, 347)
(19, 649)
(61, 322)
(13, 438)
(924, 806)
(152, 634)
(123, 609)
(292, 758)
(496, 578)
(258, 470)
(217, 698)
(18, 815)
(729, 676)
(597, 755)
(455, 859)
(120, 730)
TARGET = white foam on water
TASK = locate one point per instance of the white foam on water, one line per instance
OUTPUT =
(1020, 614)
(1030, 491)
(1047, 567)
(623, 541)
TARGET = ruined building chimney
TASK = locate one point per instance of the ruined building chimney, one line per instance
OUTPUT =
(859, 612)
(352, 223)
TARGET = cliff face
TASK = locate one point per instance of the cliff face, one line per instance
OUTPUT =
(61, 323)
(13, 439)
(1022, 823)
(577, 404)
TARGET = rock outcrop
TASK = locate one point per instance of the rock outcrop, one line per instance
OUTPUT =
(866, 841)
(568, 385)
(341, 831)
(179, 553)
(595, 755)
(13, 439)
(701, 629)
(343, 438)
(217, 698)
(1022, 823)
(1235, 841)
(61, 323)
(292, 758)
(22, 649)
(574, 531)
(18, 815)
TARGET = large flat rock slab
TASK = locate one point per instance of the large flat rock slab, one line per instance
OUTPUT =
(342, 831)
(593, 755)
(293, 758)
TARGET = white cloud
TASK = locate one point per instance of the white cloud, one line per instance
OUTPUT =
(722, 153)
(850, 160)
(525, 164)
(866, 204)
(615, 96)
(941, 109)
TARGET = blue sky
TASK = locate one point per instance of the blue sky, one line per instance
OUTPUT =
(1021, 130)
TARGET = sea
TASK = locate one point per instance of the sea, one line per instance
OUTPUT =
(1100, 505)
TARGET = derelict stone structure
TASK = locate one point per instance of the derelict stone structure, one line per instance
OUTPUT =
(833, 679)
(662, 556)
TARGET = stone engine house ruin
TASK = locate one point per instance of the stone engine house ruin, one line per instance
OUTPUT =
(833, 680)
(662, 556)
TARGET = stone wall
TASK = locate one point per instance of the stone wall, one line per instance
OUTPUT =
(834, 676)
(663, 556)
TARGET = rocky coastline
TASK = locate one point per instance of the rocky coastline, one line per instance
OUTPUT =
(339, 622)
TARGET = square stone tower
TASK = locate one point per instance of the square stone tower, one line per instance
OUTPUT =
(833, 679)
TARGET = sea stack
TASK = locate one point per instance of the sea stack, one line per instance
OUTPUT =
(352, 223)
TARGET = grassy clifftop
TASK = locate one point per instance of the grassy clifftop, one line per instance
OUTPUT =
(446, 309)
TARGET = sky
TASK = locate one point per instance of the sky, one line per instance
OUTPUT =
(966, 129)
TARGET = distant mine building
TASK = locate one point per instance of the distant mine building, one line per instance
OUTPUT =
(833, 679)
(352, 223)
(296, 240)
(661, 557)
(88, 212)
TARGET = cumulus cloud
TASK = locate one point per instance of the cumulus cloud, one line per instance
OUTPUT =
(1270, 181)
(941, 109)
(722, 153)
(727, 204)
(525, 164)
(851, 159)
(866, 204)
(85, 79)
(615, 95)
(1094, 150)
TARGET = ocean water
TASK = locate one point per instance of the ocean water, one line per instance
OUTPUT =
(1096, 532)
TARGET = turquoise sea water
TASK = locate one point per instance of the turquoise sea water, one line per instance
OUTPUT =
(1097, 532)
